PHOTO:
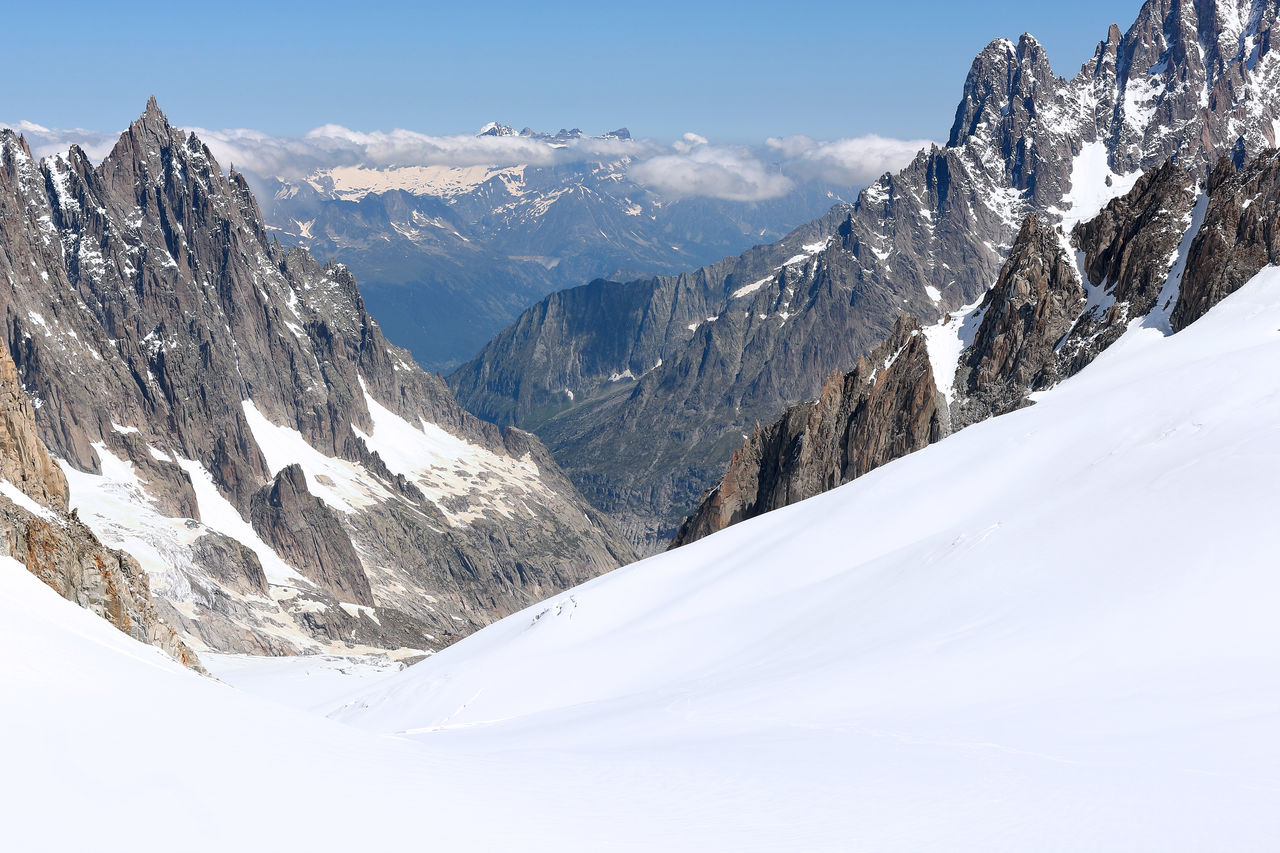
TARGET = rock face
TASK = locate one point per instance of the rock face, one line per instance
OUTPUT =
(1241, 235)
(306, 533)
(448, 257)
(644, 414)
(1162, 244)
(24, 461)
(37, 530)
(1033, 304)
(180, 360)
(886, 407)
(1125, 247)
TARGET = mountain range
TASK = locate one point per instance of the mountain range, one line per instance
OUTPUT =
(966, 491)
(1053, 629)
(449, 255)
(226, 411)
(643, 390)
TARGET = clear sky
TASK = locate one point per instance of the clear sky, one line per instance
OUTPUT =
(732, 71)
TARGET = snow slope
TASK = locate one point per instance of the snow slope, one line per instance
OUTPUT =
(1055, 630)
(109, 745)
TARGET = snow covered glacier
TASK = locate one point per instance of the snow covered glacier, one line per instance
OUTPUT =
(1053, 630)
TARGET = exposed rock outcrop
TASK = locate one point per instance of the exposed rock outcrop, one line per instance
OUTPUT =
(37, 530)
(24, 461)
(1241, 235)
(1033, 304)
(887, 407)
(1128, 248)
(307, 533)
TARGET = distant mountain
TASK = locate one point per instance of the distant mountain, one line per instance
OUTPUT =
(448, 256)
(644, 390)
(225, 410)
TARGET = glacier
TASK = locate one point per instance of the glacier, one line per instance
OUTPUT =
(1054, 630)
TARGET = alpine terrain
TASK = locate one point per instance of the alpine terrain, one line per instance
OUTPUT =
(227, 412)
(449, 255)
(1053, 630)
(959, 502)
(644, 390)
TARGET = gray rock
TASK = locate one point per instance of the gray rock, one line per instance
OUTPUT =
(54, 545)
(145, 304)
(887, 407)
(308, 534)
(1240, 236)
(1033, 305)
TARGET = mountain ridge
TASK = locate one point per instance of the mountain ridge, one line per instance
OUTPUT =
(479, 244)
(180, 358)
(925, 240)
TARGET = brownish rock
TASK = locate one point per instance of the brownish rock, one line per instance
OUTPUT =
(1032, 306)
(887, 407)
(1241, 235)
(54, 545)
(23, 458)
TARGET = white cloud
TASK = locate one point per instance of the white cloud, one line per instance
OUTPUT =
(689, 167)
(334, 145)
(688, 142)
(700, 169)
(856, 161)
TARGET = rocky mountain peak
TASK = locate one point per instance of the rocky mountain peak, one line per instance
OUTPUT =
(767, 328)
(1000, 88)
(182, 358)
(494, 128)
(37, 530)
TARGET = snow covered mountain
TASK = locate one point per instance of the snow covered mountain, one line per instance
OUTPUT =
(1160, 255)
(667, 376)
(449, 255)
(1054, 630)
(227, 412)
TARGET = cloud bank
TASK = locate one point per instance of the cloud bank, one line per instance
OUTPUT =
(332, 145)
(47, 142)
(697, 168)
(850, 162)
(689, 167)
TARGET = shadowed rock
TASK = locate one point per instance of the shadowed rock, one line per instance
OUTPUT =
(308, 535)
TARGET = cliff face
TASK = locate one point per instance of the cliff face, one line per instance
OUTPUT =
(182, 362)
(886, 407)
(306, 533)
(1241, 234)
(1033, 304)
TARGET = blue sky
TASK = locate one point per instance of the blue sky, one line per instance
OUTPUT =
(733, 72)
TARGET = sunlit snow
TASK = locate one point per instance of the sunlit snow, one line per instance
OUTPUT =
(1054, 630)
